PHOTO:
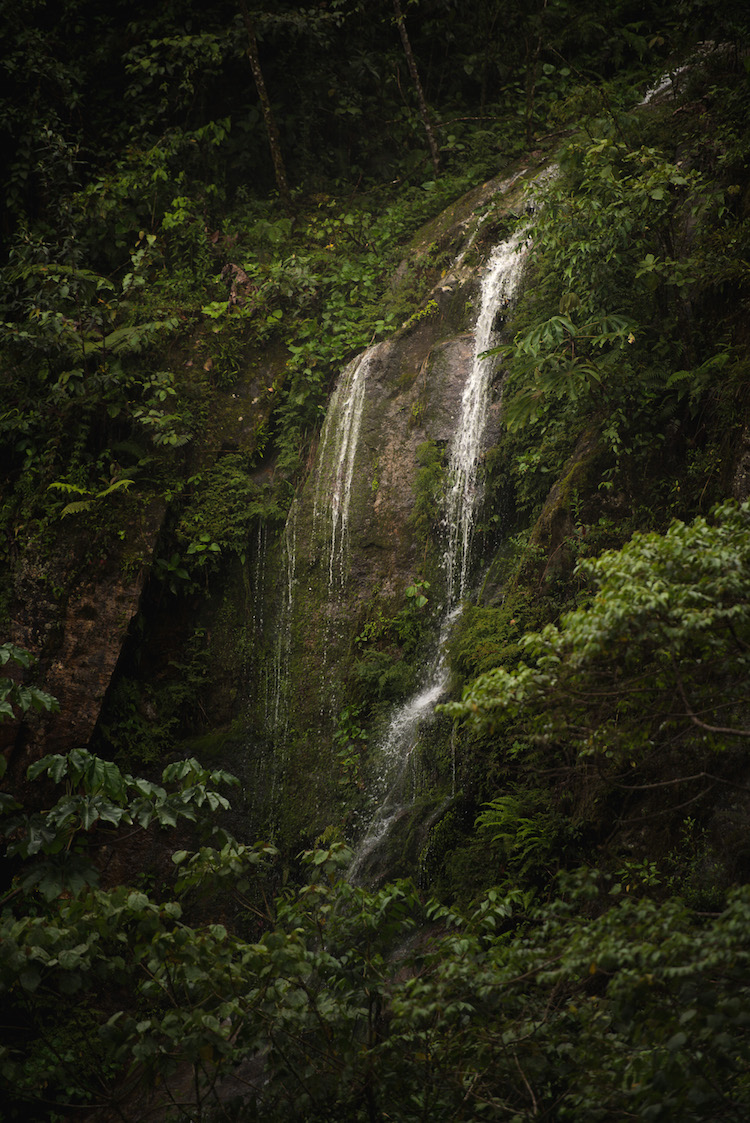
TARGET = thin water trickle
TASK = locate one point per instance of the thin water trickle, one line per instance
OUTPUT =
(338, 451)
(498, 291)
(276, 714)
(668, 84)
(259, 577)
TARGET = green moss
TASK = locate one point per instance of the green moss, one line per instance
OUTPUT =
(454, 862)
(490, 637)
(215, 743)
(226, 500)
(429, 487)
(380, 676)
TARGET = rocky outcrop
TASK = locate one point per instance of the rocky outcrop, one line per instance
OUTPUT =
(72, 611)
(359, 501)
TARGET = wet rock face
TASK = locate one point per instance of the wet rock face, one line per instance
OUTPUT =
(94, 627)
(413, 386)
(356, 545)
(395, 423)
(412, 395)
(73, 612)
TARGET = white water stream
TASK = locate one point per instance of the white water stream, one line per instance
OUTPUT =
(336, 457)
(498, 289)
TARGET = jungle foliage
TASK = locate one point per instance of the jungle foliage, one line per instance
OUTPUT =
(600, 1004)
(152, 253)
(639, 691)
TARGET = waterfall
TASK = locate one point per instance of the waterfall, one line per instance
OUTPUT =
(259, 577)
(336, 458)
(395, 752)
(498, 290)
(316, 531)
(667, 83)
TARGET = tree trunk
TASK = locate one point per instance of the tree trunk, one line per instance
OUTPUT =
(417, 86)
(274, 143)
(532, 66)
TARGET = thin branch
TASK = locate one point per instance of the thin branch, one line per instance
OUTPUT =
(665, 810)
(725, 729)
(528, 1086)
(682, 780)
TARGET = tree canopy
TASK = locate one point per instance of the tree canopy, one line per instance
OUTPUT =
(658, 656)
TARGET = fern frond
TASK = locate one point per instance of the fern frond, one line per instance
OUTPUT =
(113, 487)
(130, 339)
(69, 489)
(53, 269)
(76, 508)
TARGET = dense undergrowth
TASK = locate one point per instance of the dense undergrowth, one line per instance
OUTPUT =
(585, 957)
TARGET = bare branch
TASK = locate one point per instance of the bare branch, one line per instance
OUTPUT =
(727, 730)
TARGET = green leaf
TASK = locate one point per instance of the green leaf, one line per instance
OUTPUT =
(137, 902)
(30, 978)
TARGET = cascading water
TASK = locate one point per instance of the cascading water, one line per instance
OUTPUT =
(387, 792)
(498, 290)
(337, 454)
(333, 489)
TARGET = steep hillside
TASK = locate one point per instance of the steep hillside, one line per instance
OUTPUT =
(373, 511)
